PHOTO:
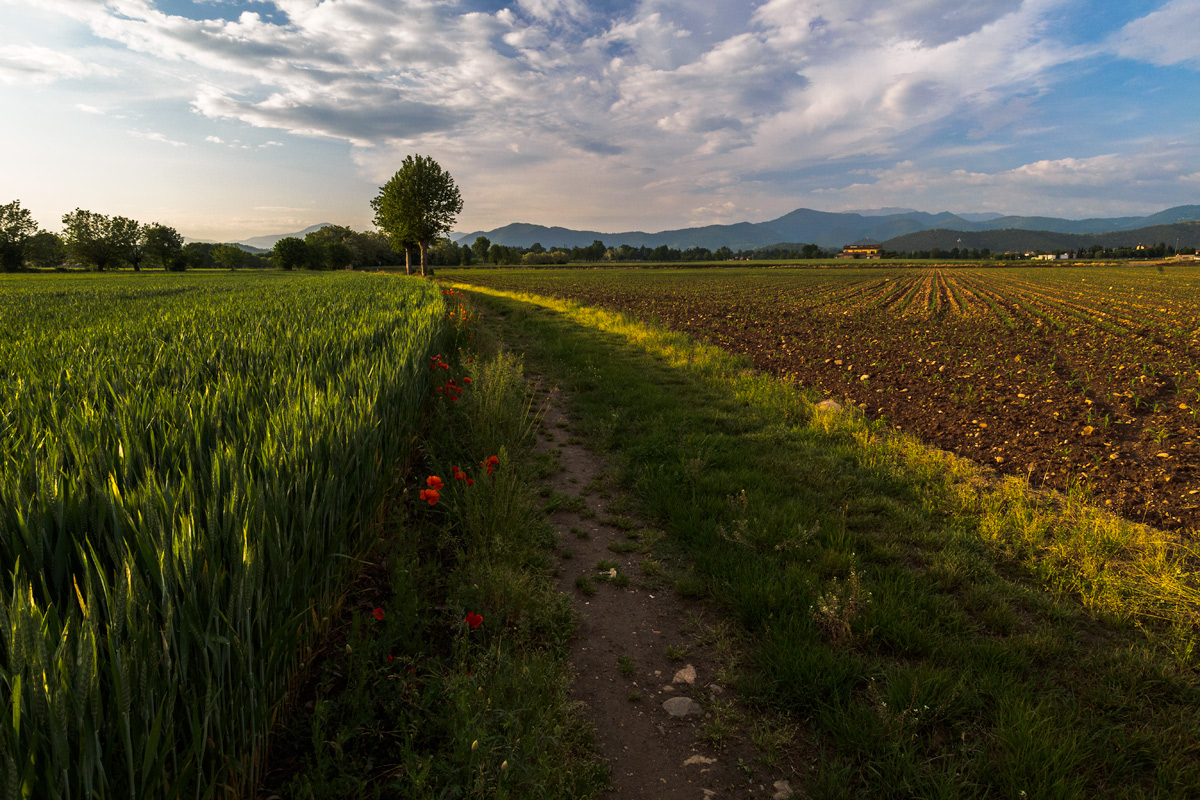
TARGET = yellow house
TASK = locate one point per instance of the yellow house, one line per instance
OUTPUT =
(860, 251)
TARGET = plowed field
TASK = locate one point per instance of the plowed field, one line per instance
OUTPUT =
(1065, 375)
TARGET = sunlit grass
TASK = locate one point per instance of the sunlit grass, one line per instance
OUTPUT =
(943, 632)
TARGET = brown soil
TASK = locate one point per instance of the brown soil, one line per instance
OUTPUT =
(1061, 389)
(651, 754)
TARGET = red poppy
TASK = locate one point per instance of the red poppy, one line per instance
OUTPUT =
(467, 381)
(491, 464)
(430, 496)
(473, 620)
(434, 482)
(390, 659)
(470, 481)
(378, 613)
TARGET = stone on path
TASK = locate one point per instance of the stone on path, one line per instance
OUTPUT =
(829, 405)
(699, 759)
(686, 675)
(682, 706)
(783, 790)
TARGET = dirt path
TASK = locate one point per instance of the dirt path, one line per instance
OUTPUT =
(648, 662)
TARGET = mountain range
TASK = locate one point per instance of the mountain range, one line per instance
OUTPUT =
(833, 230)
(1177, 234)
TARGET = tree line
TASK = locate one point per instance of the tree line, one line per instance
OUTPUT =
(101, 242)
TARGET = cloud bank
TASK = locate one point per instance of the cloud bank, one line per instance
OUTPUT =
(703, 112)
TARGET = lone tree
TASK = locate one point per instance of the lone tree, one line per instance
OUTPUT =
(417, 205)
(16, 229)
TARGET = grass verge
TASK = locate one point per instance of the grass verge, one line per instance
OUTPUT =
(446, 675)
(942, 634)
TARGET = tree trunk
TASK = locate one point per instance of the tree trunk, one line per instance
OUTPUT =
(422, 246)
(407, 261)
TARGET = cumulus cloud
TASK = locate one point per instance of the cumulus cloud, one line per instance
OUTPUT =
(709, 109)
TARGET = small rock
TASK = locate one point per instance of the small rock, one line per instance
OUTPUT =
(829, 405)
(668, 688)
(716, 688)
(699, 759)
(686, 675)
(682, 707)
(863, 377)
(709, 793)
(783, 790)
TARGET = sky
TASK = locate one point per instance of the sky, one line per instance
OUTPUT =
(228, 119)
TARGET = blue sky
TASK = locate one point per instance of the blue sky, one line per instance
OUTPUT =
(228, 119)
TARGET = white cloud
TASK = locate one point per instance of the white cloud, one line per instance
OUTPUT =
(704, 110)
(1163, 37)
(25, 64)
(154, 136)
(1152, 176)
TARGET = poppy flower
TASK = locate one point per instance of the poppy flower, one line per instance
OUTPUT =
(378, 613)
(473, 620)
(467, 381)
(491, 464)
(470, 481)
(430, 496)
(434, 482)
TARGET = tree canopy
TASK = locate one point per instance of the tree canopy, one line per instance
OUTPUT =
(16, 228)
(101, 240)
(419, 203)
(163, 244)
(290, 253)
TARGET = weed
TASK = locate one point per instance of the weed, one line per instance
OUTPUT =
(625, 665)
(838, 606)
(677, 652)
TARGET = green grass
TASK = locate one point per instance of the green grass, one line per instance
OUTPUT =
(943, 636)
(421, 705)
(189, 465)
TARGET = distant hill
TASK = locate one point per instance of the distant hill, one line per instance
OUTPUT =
(1179, 234)
(827, 229)
(268, 241)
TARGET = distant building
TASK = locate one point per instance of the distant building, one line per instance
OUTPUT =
(860, 251)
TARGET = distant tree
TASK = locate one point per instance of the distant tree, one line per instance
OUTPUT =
(290, 253)
(162, 244)
(16, 229)
(133, 234)
(466, 254)
(480, 247)
(339, 255)
(418, 204)
(98, 239)
(229, 256)
(45, 249)
(373, 249)
(332, 247)
(497, 254)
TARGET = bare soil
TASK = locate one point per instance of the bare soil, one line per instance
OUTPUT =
(633, 640)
